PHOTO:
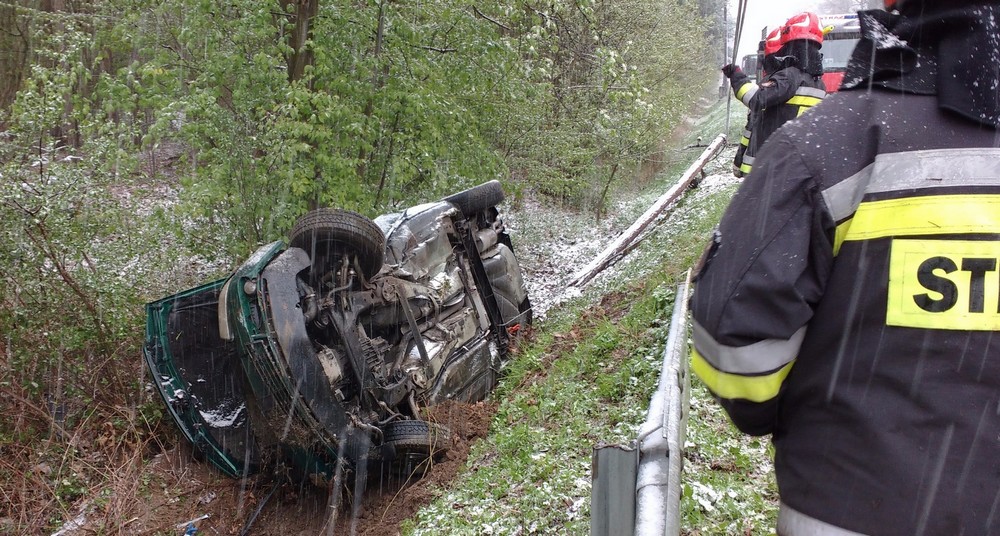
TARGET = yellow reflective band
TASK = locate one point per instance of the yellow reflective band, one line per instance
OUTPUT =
(735, 386)
(745, 168)
(841, 236)
(743, 89)
(802, 100)
(944, 284)
(804, 103)
(928, 215)
(744, 141)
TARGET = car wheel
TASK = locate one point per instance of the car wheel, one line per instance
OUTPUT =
(525, 309)
(328, 233)
(477, 198)
(416, 444)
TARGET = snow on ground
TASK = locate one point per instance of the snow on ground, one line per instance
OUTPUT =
(552, 244)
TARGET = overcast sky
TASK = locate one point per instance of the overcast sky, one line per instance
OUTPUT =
(761, 13)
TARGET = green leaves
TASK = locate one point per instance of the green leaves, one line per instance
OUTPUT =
(395, 103)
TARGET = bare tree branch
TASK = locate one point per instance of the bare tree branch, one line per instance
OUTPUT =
(435, 49)
(494, 21)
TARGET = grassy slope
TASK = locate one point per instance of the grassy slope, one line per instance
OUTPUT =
(586, 378)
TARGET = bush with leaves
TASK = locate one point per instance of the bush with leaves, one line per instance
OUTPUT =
(80, 259)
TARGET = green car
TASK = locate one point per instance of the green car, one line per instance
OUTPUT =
(320, 355)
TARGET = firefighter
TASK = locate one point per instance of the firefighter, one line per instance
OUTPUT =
(770, 46)
(794, 84)
(848, 302)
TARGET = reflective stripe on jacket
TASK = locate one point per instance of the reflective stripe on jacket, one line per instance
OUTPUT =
(849, 307)
(738, 164)
(806, 97)
(791, 522)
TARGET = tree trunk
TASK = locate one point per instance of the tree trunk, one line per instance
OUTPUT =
(378, 82)
(15, 41)
(599, 212)
(301, 18)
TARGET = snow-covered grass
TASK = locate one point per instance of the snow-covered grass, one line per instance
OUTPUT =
(587, 377)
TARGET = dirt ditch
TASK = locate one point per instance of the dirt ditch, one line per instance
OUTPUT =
(181, 491)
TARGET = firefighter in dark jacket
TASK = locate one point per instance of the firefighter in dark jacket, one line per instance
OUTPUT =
(770, 47)
(849, 303)
(793, 85)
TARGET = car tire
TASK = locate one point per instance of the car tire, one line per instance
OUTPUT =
(416, 444)
(417, 434)
(327, 233)
(477, 198)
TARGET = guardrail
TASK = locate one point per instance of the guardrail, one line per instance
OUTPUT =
(637, 488)
(630, 238)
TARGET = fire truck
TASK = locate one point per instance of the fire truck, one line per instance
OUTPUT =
(841, 33)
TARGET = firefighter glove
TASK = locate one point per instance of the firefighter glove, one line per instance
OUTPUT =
(730, 69)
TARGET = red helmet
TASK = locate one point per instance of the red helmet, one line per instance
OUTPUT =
(804, 26)
(773, 41)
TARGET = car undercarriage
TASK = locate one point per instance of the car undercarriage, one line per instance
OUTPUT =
(322, 352)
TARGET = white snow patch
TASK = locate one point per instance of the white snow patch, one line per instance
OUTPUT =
(223, 416)
(552, 244)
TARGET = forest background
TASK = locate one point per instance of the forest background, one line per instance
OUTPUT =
(146, 146)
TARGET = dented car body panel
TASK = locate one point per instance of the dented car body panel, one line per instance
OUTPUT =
(198, 374)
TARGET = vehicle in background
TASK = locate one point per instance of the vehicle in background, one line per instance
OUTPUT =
(321, 354)
(840, 34)
(750, 65)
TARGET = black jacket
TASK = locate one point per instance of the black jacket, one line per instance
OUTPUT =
(738, 167)
(780, 97)
(850, 301)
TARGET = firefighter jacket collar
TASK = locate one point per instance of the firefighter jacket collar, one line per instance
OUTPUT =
(952, 54)
(803, 54)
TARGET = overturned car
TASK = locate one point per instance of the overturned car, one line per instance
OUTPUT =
(322, 353)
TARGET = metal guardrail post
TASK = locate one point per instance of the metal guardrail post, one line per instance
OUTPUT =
(612, 510)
